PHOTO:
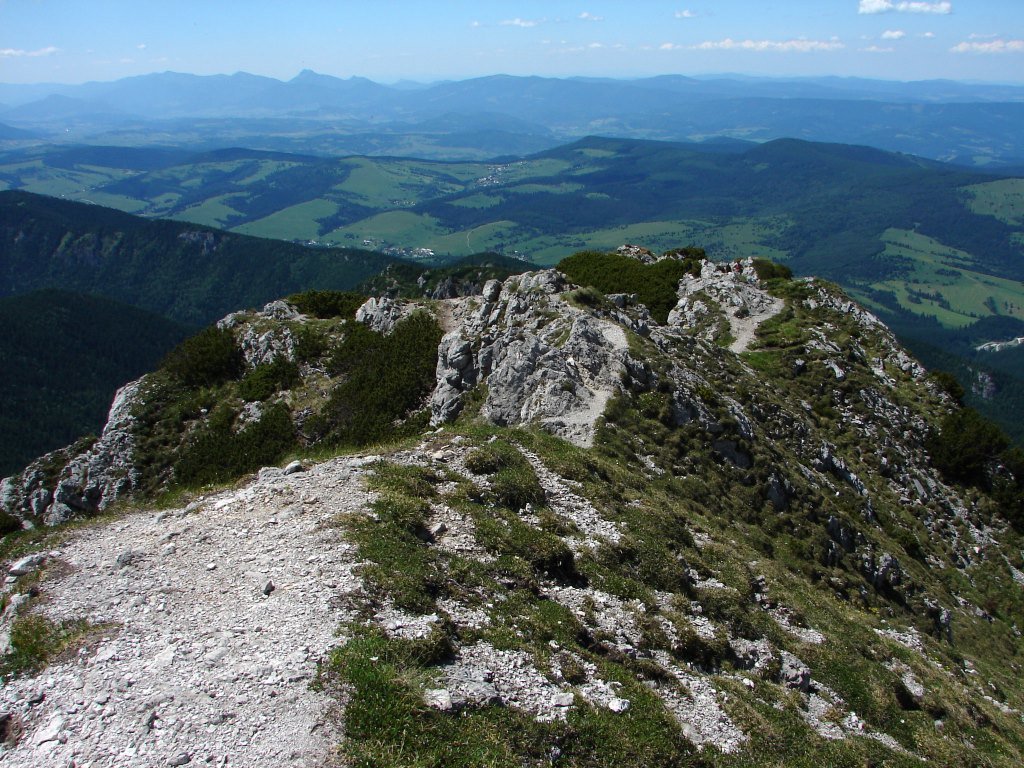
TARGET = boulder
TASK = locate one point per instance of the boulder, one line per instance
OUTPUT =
(793, 673)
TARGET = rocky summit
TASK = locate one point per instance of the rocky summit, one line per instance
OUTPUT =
(638, 511)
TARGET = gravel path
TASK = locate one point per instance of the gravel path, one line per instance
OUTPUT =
(218, 615)
(744, 329)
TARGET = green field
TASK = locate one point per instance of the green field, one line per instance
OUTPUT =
(413, 230)
(1003, 199)
(387, 183)
(946, 243)
(299, 222)
(942, 282)
(215, 212)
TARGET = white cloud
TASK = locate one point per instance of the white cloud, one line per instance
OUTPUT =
(904, 6)
(13, 53)
(595, 45)
(687, 14)
(141, 46)
(475, 24)
(992, 46)
(928, 35)
(669, 47)
(587, 16)
(893, 34)
(877, 49)
(517, 22)
(783, 46)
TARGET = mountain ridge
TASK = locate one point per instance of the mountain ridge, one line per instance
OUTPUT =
(126, 258)
(974, 124)
(743, 552)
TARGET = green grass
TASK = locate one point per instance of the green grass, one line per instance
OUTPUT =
(409, 229)
(214, 212)
(36, 640)
(946, 283)
(1003, 199)
(293, 223)
(386, 183)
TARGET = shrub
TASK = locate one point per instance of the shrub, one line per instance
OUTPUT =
(217, 453)
(769, 270)
(326, 304)
(8, 523)
(515, 487)
(264, 380)
(310, 344)
(588, 296)
(385, 378)
(492, 457)
(654, 284)
(483, 462)
(947, 383)
(965, 445)
(35, 640)
(206, 359)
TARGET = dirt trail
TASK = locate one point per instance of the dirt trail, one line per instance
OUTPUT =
(199, 664)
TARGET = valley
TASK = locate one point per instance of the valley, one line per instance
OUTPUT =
(935, 249)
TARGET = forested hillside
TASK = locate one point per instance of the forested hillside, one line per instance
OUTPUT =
(62, 355)
(182, 271)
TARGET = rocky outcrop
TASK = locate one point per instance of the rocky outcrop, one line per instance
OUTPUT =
(383, 314)
(543, 360)
(262, 335)
(734, 287)
(66, 484)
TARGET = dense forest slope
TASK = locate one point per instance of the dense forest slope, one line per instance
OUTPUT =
(184, 272)
(63, 355)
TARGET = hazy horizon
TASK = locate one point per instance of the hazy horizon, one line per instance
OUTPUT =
(63, 42)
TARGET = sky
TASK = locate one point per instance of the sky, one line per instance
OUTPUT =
(73, 41)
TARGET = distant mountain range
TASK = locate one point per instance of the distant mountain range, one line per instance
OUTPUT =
(488, 116)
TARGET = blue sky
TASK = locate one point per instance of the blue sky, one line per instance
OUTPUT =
(72, 41)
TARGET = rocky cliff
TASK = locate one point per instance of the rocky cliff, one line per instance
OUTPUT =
(591, 539)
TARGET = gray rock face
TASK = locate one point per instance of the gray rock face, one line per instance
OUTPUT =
(383, 314)
(262, 344)
(544, 360)
(983, 385)
(755, 655)
(887, 571)
(793, 673)
(640, 254)
(735, 288)
(829, 461)
(88, 482)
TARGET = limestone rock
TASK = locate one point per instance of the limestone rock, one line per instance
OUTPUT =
(793, 673)
(544, 361)
(88, 481)
(383, 314)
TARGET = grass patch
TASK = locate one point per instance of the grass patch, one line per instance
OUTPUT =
(387, 723)
(36, 640)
